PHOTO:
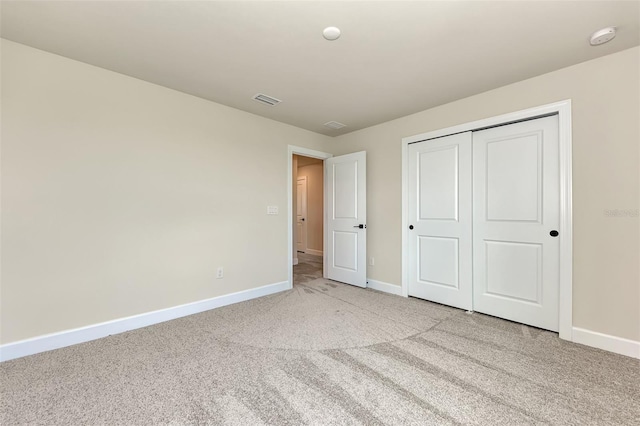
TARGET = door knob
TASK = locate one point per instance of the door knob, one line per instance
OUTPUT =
(302, 219)
(361, 226)
(410, 226)
(553, 233)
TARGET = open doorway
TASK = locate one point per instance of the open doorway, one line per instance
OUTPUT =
(293, 154)
(344, 241)
(308, 218)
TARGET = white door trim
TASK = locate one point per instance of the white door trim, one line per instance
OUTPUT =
(563, 109)
(291, 150)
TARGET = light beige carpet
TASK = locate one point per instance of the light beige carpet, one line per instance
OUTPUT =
(324, 353)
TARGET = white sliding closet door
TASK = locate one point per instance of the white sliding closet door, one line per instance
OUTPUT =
(484, 211)
(440, 267)
(515, 221)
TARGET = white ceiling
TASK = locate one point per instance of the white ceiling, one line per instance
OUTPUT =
(394, 57)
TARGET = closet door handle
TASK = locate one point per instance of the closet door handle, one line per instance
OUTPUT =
(554, 233)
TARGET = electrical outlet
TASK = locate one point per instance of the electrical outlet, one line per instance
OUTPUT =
(220, 272)
(371, 261)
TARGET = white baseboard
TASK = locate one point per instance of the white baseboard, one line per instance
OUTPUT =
(386, 287)
(606, 342)
(61, 339)
(313, 252)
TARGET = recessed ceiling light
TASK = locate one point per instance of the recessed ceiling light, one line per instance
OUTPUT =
(602, 36)
(331, 33)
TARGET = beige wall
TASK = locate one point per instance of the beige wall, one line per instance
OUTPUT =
(314, 175)
(121, 197)
(606, 137)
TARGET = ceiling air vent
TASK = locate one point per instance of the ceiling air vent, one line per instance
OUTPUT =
(261, 97)
(335, 125)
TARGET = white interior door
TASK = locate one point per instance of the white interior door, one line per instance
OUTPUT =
(515, 213)
(440, 254)
(301, 214)
(346, 232)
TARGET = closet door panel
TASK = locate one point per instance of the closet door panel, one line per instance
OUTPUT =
(515, 211)
(440, 266)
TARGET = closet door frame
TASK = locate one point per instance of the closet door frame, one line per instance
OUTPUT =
(563, 110)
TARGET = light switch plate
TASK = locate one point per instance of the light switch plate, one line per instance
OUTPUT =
(272, 209)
